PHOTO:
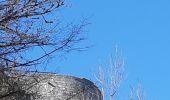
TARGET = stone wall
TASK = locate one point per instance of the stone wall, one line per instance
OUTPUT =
(57, 87)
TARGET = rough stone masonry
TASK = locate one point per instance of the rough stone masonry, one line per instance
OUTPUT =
(56, 87)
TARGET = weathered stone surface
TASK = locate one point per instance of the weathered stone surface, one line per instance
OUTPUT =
(58, 87)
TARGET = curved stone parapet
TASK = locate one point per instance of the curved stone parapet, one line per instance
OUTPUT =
(58, 87)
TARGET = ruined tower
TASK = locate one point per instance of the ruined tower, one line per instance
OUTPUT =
(57, 87)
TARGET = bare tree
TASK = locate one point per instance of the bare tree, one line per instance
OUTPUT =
(137, 93)
(110, 79)
(101, 79)
(25, 26)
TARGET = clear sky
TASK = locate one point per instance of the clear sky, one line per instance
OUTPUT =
(141, 28)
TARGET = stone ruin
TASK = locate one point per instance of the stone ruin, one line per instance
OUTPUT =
(53, 87)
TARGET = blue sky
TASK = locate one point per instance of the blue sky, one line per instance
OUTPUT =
(141, 28)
